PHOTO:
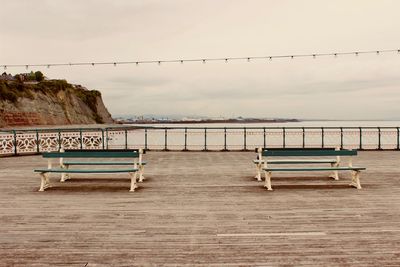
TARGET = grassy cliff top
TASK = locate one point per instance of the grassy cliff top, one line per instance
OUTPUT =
(11, 91)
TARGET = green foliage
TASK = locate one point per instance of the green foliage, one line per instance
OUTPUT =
(97, 118)
(51, 87)
(90, 99)
(11, 92)
(39, 76)
(31, 76)
(7, 94)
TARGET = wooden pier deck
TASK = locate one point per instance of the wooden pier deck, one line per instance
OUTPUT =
(201, 209)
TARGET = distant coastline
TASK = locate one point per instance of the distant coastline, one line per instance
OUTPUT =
(202, 121)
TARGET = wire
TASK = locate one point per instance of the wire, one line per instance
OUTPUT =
(203, 60)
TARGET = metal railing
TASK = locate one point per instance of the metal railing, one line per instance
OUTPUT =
(28, 141)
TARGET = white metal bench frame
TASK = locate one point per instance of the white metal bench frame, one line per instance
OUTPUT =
(262, 165)
(45, 181)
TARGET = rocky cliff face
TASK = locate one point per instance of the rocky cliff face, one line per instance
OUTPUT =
(50, 103)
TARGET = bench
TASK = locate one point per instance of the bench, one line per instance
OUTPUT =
(355, 171)
(260, 161)
(89, 154)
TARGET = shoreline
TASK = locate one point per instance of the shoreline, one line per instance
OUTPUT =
(212, 121)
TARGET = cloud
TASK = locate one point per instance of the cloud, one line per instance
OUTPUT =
(101, 30)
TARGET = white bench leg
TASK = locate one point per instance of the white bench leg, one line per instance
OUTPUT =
(133, 181)
(355, 179)
(258, 172)
(267, 180)
(335, 174)
(141, 171)
(44, 183)
(65, 176)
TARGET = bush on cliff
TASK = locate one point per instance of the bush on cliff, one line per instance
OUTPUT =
(11, 91)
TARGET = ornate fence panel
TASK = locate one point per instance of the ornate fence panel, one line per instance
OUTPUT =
(7, 143)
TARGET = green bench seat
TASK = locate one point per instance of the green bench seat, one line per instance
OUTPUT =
(100, 163)
(302, 161)
(314, 169)
(60, 170)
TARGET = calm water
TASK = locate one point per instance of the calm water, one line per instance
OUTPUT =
(394, 123)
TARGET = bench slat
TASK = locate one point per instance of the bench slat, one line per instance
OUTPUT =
(315, 169)
(91, 154)
(308, 153)
(304, 161)
(100, 163)
(105, 150)
(59, 170)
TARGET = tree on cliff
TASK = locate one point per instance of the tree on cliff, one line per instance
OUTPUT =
(39, 76)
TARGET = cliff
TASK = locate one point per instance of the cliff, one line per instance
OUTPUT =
(51, 102)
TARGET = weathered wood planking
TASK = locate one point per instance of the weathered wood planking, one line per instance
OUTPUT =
(202, 209)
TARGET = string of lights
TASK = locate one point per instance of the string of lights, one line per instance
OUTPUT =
(203, 60)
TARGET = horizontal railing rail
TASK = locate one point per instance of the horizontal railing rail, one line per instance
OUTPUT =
(196, 138)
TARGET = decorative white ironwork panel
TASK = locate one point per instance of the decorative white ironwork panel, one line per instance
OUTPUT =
(92, 140)
(6, 143)
(26, 142)
(49, 141)
(71, 140)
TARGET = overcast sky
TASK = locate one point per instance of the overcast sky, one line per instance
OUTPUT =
(348, 87)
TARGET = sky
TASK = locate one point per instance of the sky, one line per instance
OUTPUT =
(346, 87)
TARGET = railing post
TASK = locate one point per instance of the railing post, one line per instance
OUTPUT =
(145, 138)
(225, 139)
(165, 139)
(205, 139)
(398, 138)
(185, 148)
(107, 138)
(81, 137)
(244, 139)
(379, 138)
(265, 138)
(322, 137)
(284, 137)
(341, 137)
(304, 137)
(37, 142)
(15, 142)
(102, 138)
(360, 147)
(59, 140)
(126, 139)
